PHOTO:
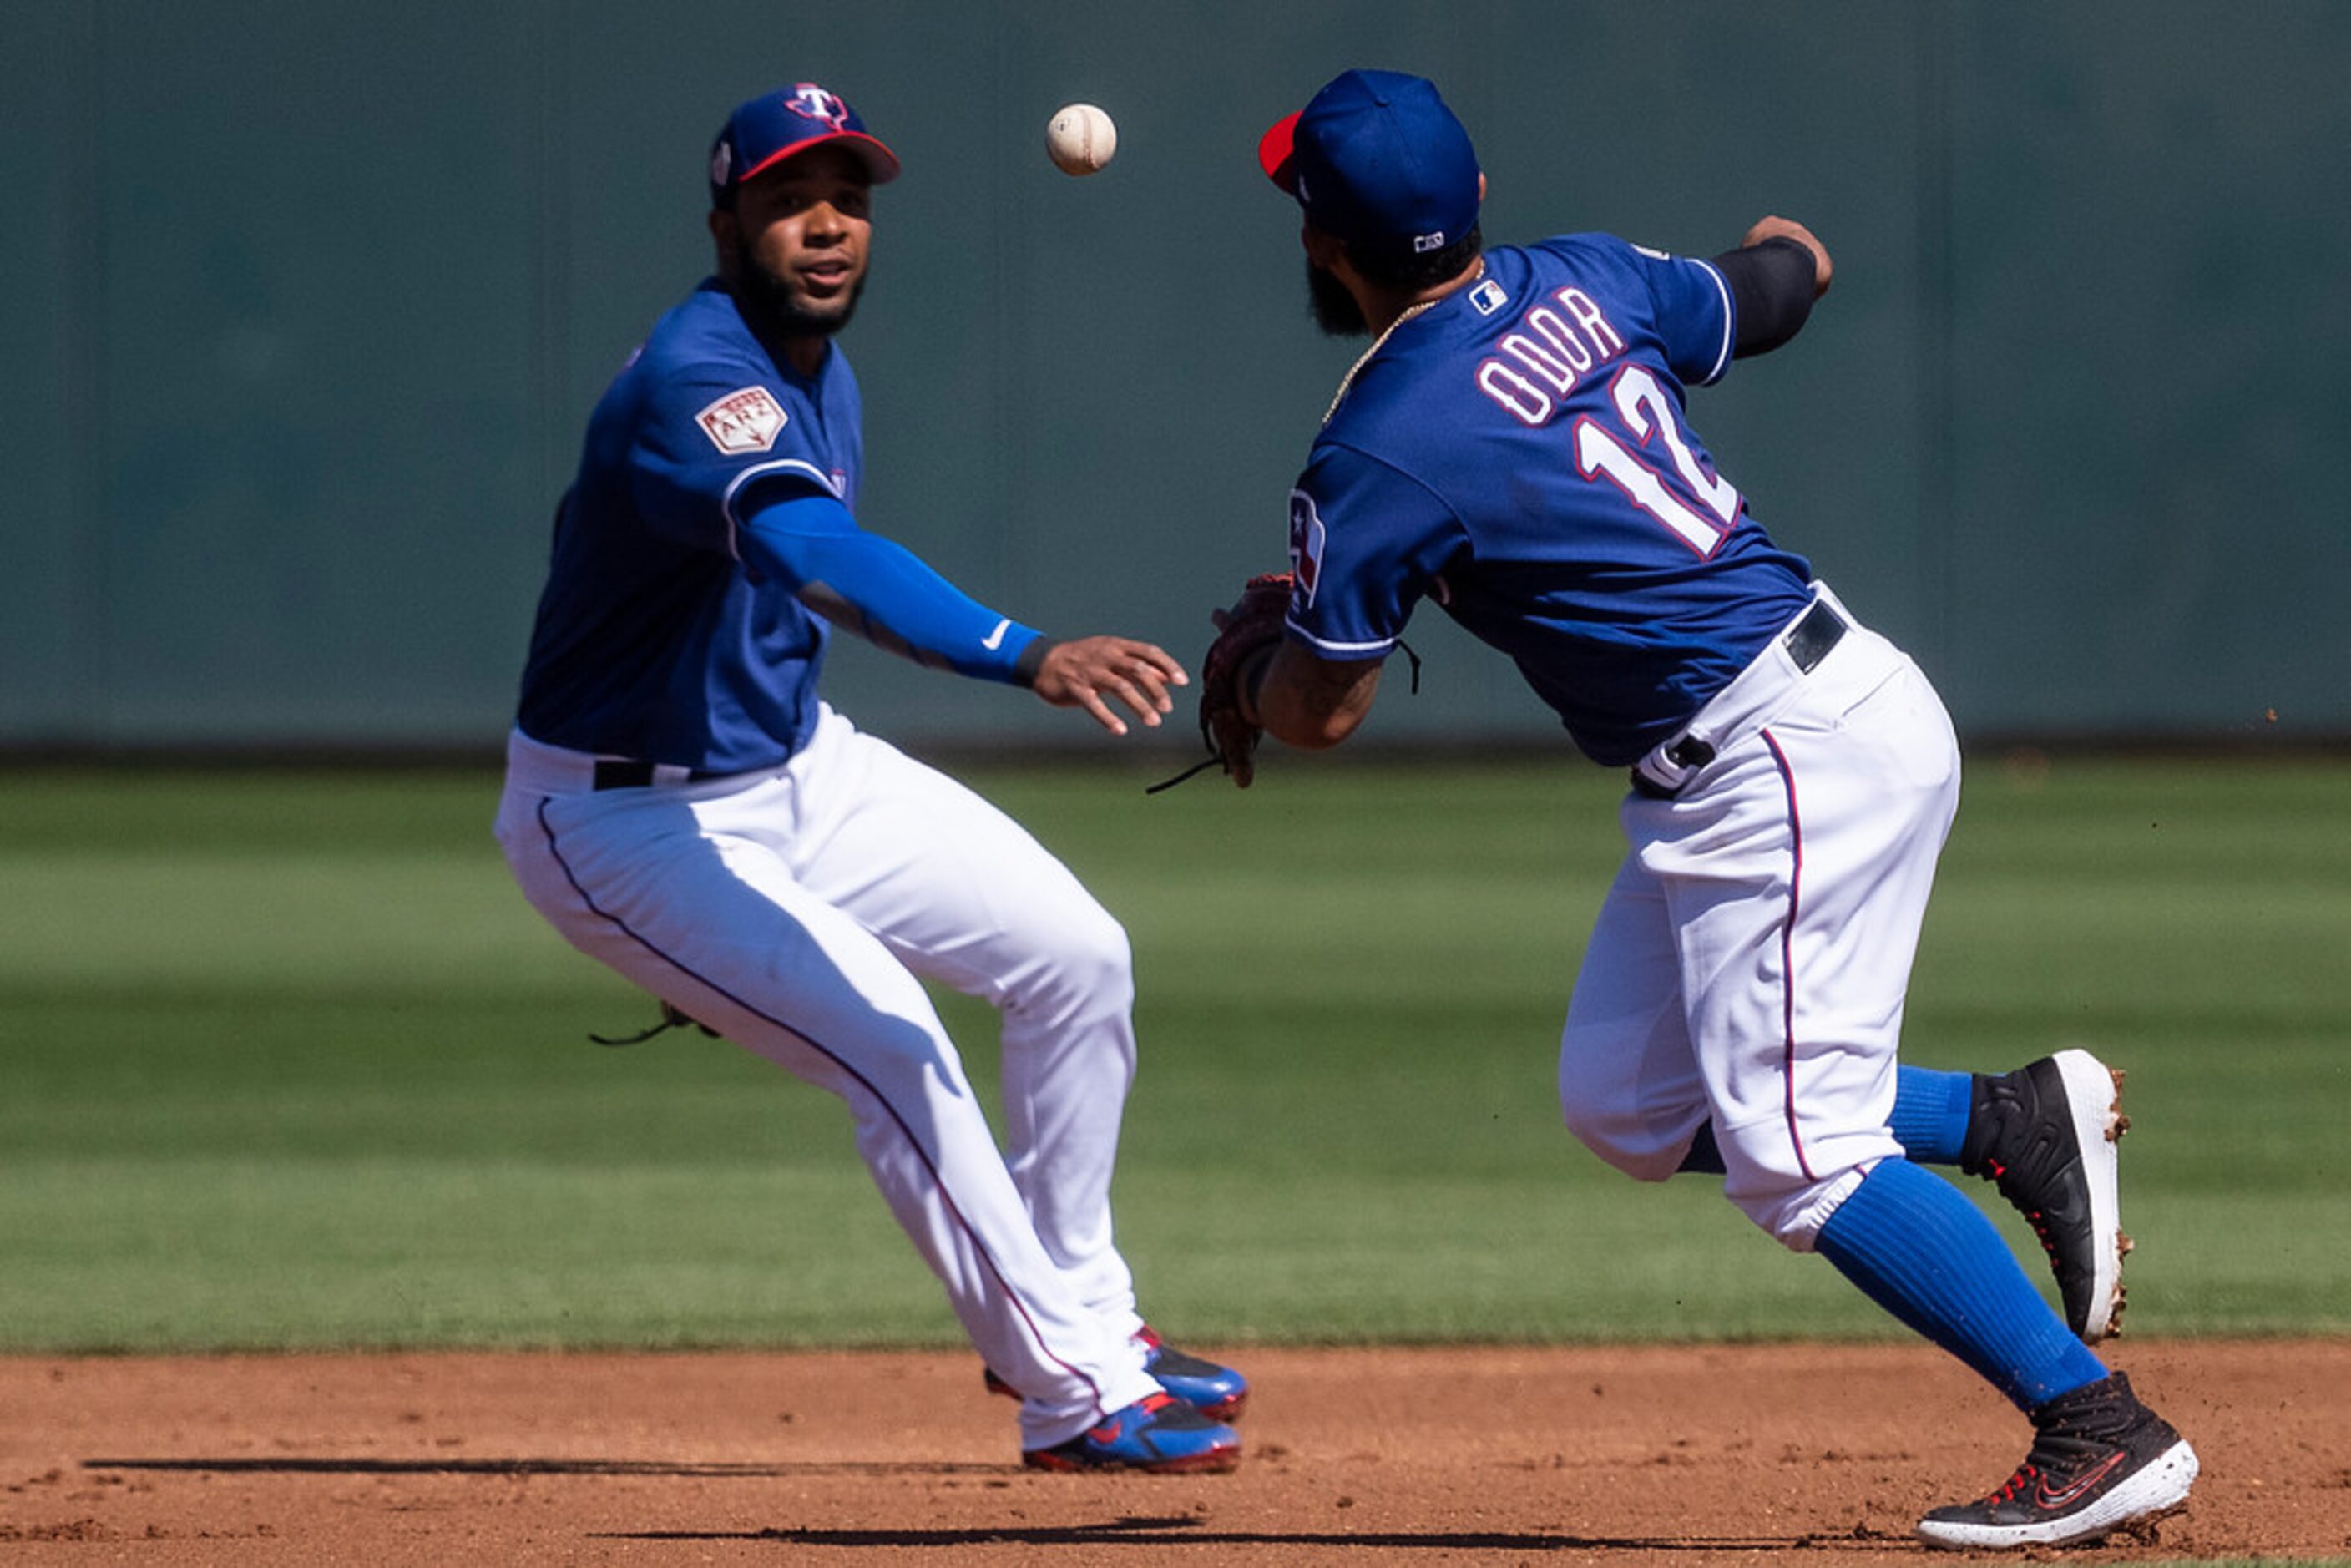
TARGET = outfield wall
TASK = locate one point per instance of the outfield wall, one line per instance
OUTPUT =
(306, 306)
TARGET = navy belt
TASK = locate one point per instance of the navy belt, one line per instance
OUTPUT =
(627, 773)
(1808, 641)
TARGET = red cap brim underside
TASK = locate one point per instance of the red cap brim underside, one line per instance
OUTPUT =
(879, 161)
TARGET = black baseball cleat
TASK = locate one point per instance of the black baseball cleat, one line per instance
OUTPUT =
(2045, 1134)
(2101, 1461)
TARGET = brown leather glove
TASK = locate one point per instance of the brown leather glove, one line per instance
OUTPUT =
(1247, 636)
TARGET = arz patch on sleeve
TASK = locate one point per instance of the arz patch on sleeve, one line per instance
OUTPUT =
(746, 420)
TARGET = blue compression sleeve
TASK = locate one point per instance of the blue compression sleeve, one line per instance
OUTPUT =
(882, 591)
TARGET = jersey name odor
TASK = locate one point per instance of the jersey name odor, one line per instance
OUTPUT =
(1553, 345)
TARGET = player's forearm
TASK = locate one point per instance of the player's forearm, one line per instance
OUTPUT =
(1773, 280)
(884, 592)
(1310, 703)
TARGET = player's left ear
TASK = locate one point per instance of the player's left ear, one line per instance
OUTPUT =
(1481, 187)
(727, 234)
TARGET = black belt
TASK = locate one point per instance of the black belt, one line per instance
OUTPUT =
(1808, 641)
(627, 773)
(1812, 638)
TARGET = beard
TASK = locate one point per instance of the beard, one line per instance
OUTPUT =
(778, 306)
(1333, 308)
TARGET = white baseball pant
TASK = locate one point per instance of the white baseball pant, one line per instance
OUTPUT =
(1751, 961)
(793, 911)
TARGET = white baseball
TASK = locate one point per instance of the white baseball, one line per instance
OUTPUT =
(1081, 138)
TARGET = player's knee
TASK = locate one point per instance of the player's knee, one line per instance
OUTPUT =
(1609, 1114)
(1102, 946)
(1620, 1139)
(1095, 956)
(1085, 964)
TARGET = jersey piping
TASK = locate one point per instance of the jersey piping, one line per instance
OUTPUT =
(735, 488)
(1730, 323)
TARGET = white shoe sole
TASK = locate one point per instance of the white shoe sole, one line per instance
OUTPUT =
(2155, 1491)
(2094, 1098)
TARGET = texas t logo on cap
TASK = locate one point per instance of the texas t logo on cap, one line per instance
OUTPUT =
(781, 124)
(812, 102)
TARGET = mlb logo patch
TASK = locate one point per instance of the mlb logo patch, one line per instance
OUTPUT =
(1305, 546)
(748, 420)
(1489, 297)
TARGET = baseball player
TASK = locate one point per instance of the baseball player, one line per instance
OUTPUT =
(681, 805)
(1514, 445)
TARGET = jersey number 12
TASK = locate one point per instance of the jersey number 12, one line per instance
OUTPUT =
(1702, 510)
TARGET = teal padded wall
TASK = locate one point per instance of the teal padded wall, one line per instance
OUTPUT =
(305, 307)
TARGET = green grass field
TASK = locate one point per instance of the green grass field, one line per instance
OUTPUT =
(287, 1062)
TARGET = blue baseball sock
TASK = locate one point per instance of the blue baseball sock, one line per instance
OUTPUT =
(1930, 1121)
(1918, 1248)
(1930, 1114)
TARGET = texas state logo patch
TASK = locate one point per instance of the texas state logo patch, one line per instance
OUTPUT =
(746, 420)
(1305, 546)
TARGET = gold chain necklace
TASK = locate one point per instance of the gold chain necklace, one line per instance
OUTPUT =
(1377, 343)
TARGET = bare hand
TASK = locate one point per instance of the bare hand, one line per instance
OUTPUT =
(1789, 228)
(1081, 673)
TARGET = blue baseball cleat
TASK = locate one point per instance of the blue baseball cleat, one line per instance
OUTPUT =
(1161, 1435)
(1216, 1392)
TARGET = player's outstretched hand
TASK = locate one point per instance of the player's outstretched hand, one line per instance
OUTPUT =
(1789, 228)
(1083, 672)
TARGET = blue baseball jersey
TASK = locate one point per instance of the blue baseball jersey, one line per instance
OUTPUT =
(1519, 453)
(653, 640)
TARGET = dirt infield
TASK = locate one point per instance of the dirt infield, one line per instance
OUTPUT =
(1680, 1455)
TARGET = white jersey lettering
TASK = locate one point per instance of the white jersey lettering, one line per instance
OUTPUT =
(1529, 402)
(1559, 350)
(1543, 362)
(1546, 323)
(1588, 316)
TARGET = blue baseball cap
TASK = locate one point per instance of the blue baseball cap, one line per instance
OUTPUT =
(1376, 159)
(765, 131)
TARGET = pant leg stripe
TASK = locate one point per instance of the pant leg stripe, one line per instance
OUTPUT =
(1788, 950)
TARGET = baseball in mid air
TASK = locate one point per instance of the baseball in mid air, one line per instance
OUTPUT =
(1081, 138)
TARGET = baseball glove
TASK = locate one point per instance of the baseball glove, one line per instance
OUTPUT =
(1247, 636)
